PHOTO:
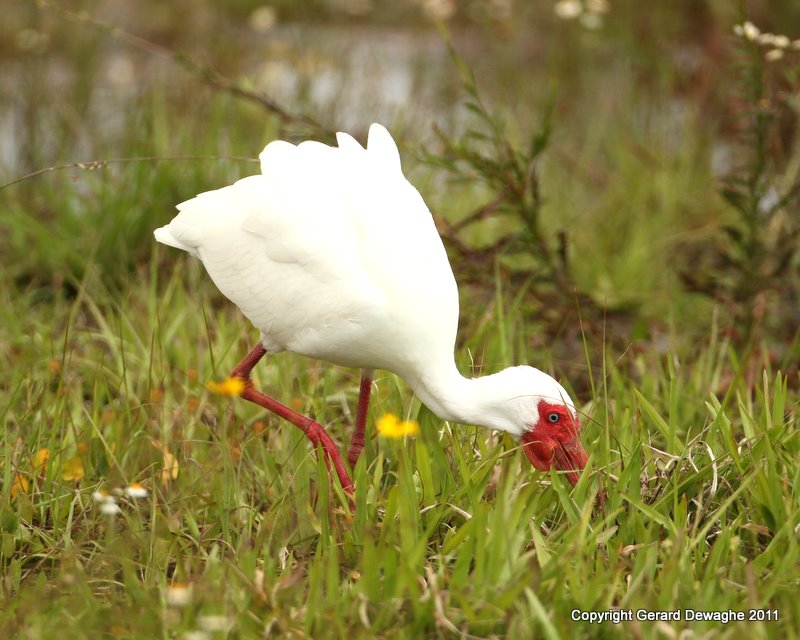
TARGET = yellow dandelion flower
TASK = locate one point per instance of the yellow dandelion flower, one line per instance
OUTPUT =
(171, 468)
(40, 459)
(229, 387)
(20, 485)
(72, 469)
(390, 426)
(387, 425)
(409, 427)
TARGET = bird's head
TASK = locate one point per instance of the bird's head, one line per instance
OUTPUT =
(543, 416)
(553, 439)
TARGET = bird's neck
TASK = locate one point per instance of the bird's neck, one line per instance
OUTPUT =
(469, 401)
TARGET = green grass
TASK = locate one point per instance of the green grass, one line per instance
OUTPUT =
(109, 339)
(451, 530)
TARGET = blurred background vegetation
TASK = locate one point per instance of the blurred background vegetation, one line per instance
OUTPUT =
(589, 151)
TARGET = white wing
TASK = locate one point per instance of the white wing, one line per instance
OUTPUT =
(330, 253)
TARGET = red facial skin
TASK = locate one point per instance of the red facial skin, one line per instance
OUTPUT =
(556, 442)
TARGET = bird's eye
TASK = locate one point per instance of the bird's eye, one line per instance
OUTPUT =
(554, 417)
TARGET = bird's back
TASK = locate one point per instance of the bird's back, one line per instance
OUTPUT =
(330, 253)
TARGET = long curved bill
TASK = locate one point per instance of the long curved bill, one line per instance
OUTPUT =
(571, 457)
(567, 456)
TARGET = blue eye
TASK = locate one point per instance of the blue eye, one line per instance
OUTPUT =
(553, 417)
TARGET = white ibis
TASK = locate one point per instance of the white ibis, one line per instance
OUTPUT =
(331, 253)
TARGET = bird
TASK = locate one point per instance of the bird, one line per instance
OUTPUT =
(331, 253)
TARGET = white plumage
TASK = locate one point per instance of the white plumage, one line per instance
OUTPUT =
(325, 253)
(332, 253)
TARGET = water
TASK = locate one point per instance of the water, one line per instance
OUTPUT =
(347, 77)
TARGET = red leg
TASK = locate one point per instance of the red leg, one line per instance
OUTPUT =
(358, 440)
(315, 431)
(243, 369)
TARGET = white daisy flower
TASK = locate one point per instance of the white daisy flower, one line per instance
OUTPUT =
(213, 623)
(781, 41)
(263, 19)
(135, 490)
(766, 39)
(597, 6)
(568, 9)
(751, 31)
(110, 507)
(178, 594)
(591, 21)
